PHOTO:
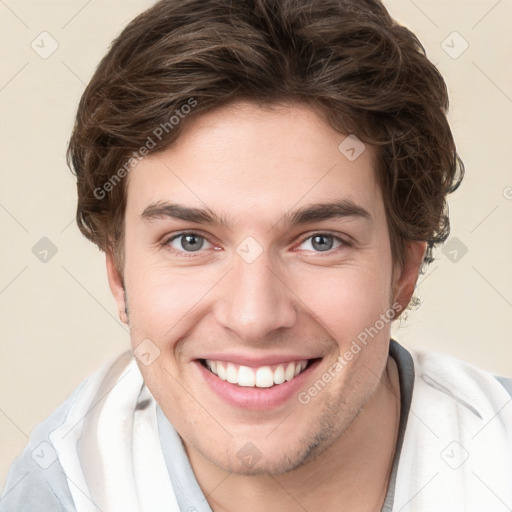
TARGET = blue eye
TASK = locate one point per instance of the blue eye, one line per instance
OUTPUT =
(190, 242)
(187, 242)
(321, 242)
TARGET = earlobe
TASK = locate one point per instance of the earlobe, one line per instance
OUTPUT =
(116, 284)
(405, 282)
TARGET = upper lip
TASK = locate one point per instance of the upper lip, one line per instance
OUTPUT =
(256, 361)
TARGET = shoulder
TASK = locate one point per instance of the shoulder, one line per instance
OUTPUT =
(458, 437)
(506, 382)
(455, 372)
(36, 480)
(460, 393)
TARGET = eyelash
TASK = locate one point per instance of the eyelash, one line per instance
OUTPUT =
(185, 254)
(167, 241)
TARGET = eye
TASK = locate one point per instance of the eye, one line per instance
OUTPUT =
(321, 242)
(187, 242)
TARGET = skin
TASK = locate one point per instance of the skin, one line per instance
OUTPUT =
(251, 167)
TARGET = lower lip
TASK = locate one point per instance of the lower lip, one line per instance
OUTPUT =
(254, 398)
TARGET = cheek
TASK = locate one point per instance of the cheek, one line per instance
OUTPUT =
(347, 300)
(163, 302)
(163, 307)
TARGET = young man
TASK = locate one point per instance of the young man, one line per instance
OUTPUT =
(267, 179)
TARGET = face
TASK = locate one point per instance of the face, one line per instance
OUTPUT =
(256, 254)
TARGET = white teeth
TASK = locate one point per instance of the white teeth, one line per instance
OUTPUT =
(246, 377)
(290, 372)
(279, 374)
(299, 367)
(232, 373)
(221, 371)
(263, 377)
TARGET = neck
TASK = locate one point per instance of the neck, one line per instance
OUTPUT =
(354, 471)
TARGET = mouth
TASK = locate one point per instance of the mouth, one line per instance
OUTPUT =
(257, 387)
(260, 377)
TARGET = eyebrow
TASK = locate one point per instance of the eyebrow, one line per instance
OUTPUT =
(310, 213)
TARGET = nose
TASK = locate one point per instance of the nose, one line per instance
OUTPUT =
(254, 300)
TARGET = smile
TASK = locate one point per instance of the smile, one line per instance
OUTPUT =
(260, 377)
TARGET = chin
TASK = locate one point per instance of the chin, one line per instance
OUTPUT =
(278, 456)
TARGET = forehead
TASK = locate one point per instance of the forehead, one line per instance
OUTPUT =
(248, 160)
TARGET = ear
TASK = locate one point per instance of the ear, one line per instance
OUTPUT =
(404, 279)
(116, 284)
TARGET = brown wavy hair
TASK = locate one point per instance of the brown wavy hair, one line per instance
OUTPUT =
(348, 59)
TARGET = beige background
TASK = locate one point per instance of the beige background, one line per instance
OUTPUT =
(58, 322)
